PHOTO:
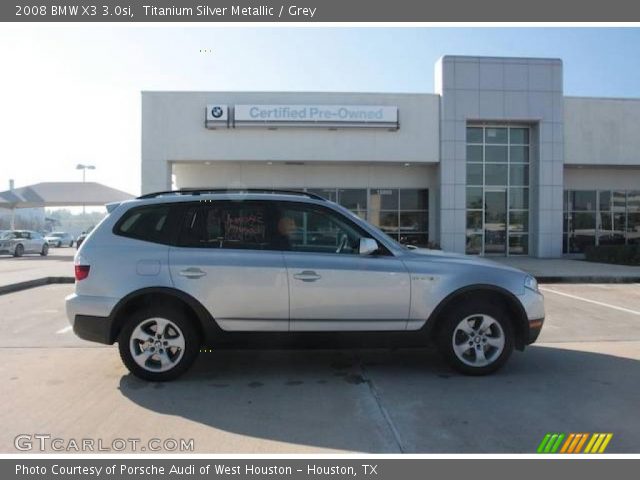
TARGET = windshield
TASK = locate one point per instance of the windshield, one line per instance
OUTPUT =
(6, 235)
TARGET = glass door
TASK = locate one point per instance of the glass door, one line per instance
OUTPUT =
(495, 221)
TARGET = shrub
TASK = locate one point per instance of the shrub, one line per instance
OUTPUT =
(619, 254)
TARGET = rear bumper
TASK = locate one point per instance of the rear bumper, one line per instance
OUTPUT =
(91, 317)
(93, 329)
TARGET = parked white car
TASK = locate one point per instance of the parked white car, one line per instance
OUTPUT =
(20, 242)
(59, 239)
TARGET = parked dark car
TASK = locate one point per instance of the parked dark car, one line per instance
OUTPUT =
(82, 236)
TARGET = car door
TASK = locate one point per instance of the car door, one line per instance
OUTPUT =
(29, 242)
(224, 260)
(331, 286)
(36, 241)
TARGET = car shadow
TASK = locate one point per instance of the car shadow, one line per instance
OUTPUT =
(401, 400)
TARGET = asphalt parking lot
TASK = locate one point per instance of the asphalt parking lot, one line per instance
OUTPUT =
(582, 376)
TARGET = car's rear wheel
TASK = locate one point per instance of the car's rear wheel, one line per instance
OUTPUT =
(45, 250)
(19, 250)
(158, 344)
(476, 338)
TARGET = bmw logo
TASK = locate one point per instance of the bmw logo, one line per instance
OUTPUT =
(216, 112)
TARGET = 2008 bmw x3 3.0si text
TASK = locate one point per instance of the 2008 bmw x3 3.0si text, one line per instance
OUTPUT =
(170, 273)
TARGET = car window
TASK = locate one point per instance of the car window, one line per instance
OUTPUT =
(147, 223)
(310, 228)
(241, 225)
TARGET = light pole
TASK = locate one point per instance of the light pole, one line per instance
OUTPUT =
(84, 169)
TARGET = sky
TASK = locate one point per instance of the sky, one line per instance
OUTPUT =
(71, 94)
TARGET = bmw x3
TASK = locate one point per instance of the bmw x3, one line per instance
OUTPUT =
(170, 273)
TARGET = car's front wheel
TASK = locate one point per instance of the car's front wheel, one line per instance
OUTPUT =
(158, 344)
(45, 250)
(476, 338)
(18, 251)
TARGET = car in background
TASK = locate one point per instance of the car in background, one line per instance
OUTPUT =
(59, 239)
(19, 242)
(82, 236)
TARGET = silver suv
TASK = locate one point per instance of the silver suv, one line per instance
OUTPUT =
(170, 273)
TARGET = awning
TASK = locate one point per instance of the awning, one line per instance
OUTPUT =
(61, 194)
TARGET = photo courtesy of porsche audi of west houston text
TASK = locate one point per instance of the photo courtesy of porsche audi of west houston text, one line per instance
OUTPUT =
(247, 470)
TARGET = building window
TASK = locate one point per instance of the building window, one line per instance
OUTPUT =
(497, 189)
(402, 213)
(600, 217)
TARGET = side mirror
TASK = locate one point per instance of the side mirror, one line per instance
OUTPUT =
(368, 246)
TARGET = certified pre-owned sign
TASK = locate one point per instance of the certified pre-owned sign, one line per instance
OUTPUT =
(338, 116)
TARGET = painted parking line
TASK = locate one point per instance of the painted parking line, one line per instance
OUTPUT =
(588, 300)
(64, 330)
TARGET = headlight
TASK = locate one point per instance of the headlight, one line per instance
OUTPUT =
(531, 283)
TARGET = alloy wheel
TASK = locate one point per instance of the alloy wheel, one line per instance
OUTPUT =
(157, 344)
(478, 340)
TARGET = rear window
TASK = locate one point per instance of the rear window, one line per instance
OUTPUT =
(241, 225)
(148, 223)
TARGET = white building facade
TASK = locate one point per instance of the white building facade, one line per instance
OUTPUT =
(496, 162)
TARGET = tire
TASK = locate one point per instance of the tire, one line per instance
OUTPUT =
(71, 244)
(19, 250)
(150, 364)
(45, 250)
(59, 244)
(477, 351)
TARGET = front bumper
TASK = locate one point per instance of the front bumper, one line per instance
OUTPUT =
(8, 249)
(533, 304)
(535, 327)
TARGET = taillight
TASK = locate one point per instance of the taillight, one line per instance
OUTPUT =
(82, 272)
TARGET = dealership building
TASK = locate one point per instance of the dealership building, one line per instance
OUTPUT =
(497, 161)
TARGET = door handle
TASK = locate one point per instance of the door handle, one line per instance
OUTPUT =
(307, 276)
(192, 272)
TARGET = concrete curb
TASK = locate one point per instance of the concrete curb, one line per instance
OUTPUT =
(585, 279)
(38, 282)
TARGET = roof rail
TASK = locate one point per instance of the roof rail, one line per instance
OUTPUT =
(205, 191)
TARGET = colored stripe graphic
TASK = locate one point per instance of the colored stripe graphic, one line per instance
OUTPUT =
(556, 445)
(607, 439)
(543, 443)
(598, 443)
(550, 443)
(568, 442)
(574, 442)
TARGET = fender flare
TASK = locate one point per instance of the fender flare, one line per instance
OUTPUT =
(204, 318)
(521, 321)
